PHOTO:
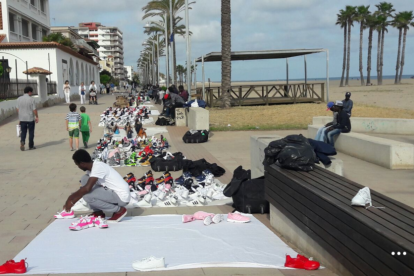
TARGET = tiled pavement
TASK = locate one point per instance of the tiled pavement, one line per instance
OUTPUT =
(35, 184)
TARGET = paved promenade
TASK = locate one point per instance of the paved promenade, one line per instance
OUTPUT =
(35, 184)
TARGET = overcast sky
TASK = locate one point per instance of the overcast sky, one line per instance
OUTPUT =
(256, 25)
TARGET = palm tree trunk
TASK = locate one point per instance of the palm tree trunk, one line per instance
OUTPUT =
(378, 56)
(403, 54)
(225, 53)
(397, 67)
(344, 61)
(371, 31)
(174, 62)
(361, 35)
(348, 58)
(382, 54)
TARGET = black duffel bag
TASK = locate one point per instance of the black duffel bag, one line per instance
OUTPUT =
(248, 194)
(196, 136)
(159, 164)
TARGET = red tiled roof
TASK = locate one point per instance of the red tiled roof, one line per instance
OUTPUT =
(37, 70)
(43, 45)
(3, 36)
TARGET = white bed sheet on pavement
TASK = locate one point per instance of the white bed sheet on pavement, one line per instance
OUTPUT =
(184, 245)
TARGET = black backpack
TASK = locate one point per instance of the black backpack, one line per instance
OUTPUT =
(248, 194)
(201, 136)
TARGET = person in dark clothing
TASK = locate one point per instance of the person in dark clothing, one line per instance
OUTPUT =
(176, 102)
(173, 89)
(348, 103)
(183, 93)
(343, 124)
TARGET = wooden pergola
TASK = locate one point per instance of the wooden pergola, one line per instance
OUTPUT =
(268, 54)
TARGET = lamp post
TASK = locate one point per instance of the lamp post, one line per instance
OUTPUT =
(158, 57)
(187, 25)
(172, 43)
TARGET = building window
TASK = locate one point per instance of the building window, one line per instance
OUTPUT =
(33, 2)
(11, 22)
(34, 32)
(25, 28)
(42, 5)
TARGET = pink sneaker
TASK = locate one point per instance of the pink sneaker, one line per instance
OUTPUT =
(100, 222)
(167, 187)
(200, 215)
(188, 218)
(144, 192)
(235, 217)
(65, 215)
(84, 223)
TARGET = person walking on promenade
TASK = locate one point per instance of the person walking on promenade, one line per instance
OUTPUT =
(108, 87)
(73, 123)
(86, 126)
(26, 108)
(82, 92)
(66, 91)
(92, 92)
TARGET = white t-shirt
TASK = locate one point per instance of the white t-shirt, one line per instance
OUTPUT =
(110, 178)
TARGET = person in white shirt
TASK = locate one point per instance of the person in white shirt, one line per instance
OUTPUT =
(105, 191)
(92, 92)
(82, 92)
(66, 91)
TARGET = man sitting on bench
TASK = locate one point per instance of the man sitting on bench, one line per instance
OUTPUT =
(105, 191)
(343, 124)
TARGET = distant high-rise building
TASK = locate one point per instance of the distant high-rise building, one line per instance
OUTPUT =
(110, 40)
(129, 72)
(24, 21)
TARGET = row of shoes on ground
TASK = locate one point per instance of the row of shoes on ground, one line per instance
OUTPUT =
(95, 219)
(123, 116)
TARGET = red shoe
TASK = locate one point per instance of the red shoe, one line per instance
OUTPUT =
(116, 217)
(301, 262)
(12, 267)
(97, 214)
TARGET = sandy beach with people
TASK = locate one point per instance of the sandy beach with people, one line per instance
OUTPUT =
(387, 95)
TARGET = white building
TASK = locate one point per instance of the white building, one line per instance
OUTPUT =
(64, 63)
(129, 72)
(110, 40)
(24, 20)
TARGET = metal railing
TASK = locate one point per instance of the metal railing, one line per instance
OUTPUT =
(12, 89)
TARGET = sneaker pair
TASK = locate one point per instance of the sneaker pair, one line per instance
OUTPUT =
(149, 264)
(207, 218)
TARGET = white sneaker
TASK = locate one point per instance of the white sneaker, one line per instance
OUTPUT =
(362, 198)
(171, 202)
(149, 264)
(146, 201)
(215, 219)
(81, 206)
(200, 201)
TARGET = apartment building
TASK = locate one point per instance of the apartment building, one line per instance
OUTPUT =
(110, 40)
(24, 20)
(129, 72)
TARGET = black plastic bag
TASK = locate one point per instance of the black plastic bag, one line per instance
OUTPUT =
(298, 154)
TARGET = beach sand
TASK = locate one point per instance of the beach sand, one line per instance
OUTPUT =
(387, 95)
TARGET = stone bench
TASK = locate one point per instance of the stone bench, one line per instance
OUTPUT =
(259, 143)
(198, 118)
(383, 152)
(374, 125)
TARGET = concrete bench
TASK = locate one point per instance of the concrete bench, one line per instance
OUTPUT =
(198, 118)
(180, 117)
(313, 211)
(374, 125)
(383, 152)
(259, 143)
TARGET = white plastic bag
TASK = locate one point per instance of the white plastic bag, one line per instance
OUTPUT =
(194, 104)
(19, 130)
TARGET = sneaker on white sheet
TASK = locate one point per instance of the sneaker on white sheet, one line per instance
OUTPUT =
(81, 206)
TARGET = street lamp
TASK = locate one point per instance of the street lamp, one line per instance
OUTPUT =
(158, 56)
(187, 25)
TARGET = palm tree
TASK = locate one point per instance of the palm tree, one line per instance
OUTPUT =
(385, 10)
(398, 23)
(162, 7)
(180, 71)
(341, 20)
(372, 24)
(350, 14)
(408, 20)
(225, 53)
(361, 16)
